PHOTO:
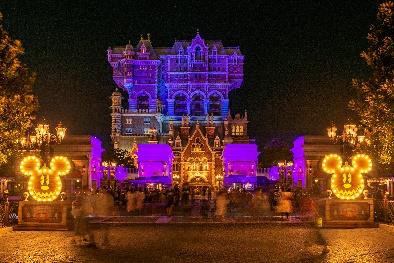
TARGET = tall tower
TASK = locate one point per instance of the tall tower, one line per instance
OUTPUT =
(164, 85)
(116, 106)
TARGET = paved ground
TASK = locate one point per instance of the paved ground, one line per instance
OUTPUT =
(204, 243)
(360, 245)
(168, 243)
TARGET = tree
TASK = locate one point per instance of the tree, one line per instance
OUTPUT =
(17, 102)
(275, 151)
(121, 157)
(374, 101)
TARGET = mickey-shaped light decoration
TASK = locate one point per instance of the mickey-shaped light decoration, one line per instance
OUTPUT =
(45, 183)
(347, 181)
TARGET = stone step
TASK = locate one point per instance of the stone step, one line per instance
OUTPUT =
(40, 227)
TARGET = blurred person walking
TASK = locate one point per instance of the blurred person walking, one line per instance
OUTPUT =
(221, 205)
(285, 206)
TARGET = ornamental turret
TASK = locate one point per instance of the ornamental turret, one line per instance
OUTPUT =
(116, 108)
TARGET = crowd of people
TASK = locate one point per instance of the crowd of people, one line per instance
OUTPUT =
(187, 200)
(184, 201)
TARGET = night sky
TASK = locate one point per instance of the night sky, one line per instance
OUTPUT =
(300, 55)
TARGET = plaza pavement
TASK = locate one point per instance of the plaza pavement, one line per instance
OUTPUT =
(203, 243)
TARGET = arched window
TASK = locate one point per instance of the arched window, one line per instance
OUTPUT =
(241, 130)
(143, 103)
(197, 105)
(180, 105)
(215, 105)
(198, 54)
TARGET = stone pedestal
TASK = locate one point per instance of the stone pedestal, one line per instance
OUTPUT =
(33, 215)
(339, 213)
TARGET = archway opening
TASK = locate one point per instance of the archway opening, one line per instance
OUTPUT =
(215, 105)
(143, 103)
(197, 105)
(180, 105)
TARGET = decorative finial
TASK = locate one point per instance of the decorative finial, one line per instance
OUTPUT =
(142, 37)
(129, 42)
(148, 36)
(198, 31)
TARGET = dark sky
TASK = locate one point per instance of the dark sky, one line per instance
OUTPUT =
(300, 55)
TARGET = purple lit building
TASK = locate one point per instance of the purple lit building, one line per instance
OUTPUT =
(84, 151)
(191, 78)
(308, 153)
(240, 165)
(155, 164)
(178, 96)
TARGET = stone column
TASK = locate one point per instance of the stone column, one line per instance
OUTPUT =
(188, 107)
(133, 105)
(225, 105)
(152, 105)
(206, 102)
(170, 107)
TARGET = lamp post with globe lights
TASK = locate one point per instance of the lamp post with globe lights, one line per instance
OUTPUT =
(285, 173)
(42, 137)
(109, 177)
(38, 141)
(351, 139)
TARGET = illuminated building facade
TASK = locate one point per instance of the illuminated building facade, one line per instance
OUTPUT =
(179, 96)
(308, 153)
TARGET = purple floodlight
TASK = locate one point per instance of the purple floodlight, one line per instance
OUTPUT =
(240, 162)
(155, 160)
(95, 160)
(120, 173)
(299, 168)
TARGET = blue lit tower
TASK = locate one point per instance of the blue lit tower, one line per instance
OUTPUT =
(173, 87)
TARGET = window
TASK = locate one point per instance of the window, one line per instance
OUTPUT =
(146, 130)
(128, 130)
(197, 105)
(197, 54)
(180, 105)
(237, 130)
(129, 121)
(143, 103)
(214, 105)
(147, 120)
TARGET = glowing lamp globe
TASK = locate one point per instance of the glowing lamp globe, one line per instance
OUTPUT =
(347, 181)
(45, 183)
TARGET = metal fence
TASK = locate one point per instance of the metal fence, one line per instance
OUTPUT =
(8, 214)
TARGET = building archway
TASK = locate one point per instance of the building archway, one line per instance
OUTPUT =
(143, 102)
(180, 104)
(215, 104)
(197, 105)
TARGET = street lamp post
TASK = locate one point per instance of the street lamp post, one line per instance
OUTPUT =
(42, 137)
(350, 137)
(109, 176)
(38, 141)
(285, 172)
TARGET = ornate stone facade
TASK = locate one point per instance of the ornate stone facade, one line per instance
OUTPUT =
(179, 95)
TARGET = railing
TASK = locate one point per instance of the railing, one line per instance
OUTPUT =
(384, 211)
(8, 213)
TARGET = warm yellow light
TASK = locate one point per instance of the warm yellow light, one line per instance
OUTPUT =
(332, 131)
(49, 185)
(350, 130)
(60, 131)
(347, 181)
(361, 138)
